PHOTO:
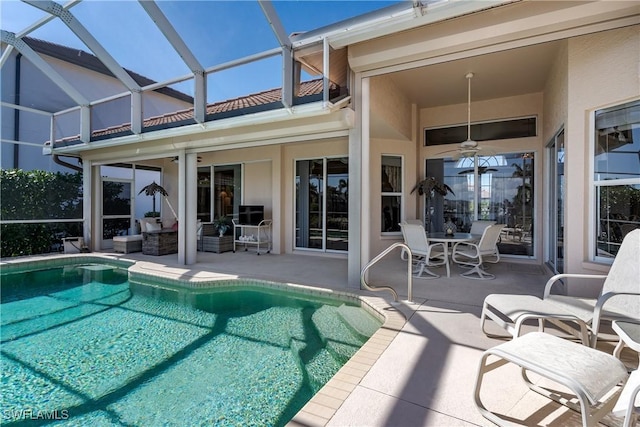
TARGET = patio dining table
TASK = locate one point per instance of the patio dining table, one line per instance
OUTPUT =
(450, 239)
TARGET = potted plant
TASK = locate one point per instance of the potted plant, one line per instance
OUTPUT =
(222, 224)
(430, 186)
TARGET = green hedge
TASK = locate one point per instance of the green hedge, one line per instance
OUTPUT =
(37, 195)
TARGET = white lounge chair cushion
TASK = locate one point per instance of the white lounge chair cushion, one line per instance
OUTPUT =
(514, 306)
(591, 371)
(583, 307)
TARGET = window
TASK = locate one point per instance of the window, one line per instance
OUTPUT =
(495, 188)
(391, 190)
(485, 131)
(616, 176)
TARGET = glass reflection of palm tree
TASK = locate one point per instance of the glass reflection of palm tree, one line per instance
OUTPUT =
(525, 190)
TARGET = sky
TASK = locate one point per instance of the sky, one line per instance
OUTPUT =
(215, 31)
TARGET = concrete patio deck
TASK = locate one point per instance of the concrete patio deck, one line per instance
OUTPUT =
(421, 369)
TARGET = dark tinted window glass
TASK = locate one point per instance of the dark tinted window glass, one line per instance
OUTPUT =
(506, 129)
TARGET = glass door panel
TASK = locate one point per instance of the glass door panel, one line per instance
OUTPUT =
(227, 185)
(337, 223)
(322, 210)
(116, 209)
(495, 188)
(309, 202)
(204, 194)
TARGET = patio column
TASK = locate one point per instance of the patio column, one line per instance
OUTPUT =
(87, 202)
(359, 184)
(188, 219)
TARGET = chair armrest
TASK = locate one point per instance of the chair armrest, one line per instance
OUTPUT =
(436, 244)
(470, 244)
(554, 279)
(464, 245)
(604, 298)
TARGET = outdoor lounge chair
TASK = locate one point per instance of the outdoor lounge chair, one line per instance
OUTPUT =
(592, 376)
(619, 299)
(474, 255)
(425, 255)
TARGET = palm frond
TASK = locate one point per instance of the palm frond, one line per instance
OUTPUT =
(429, 184)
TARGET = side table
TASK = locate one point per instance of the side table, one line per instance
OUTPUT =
(161, 242)
(629, 333)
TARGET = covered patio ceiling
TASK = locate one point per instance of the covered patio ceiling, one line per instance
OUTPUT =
(496, 75)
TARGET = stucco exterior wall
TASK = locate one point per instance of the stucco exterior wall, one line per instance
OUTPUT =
(602, 72)
(555, 95)
(390, 106)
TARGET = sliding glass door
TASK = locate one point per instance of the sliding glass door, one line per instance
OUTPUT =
(496, 188)
(322, 210)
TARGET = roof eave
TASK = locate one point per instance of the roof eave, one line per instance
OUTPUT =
(395, 20)
(337, 118)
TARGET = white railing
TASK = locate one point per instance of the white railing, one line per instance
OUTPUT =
(363, 280)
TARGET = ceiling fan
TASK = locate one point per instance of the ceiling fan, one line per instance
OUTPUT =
(468, 148)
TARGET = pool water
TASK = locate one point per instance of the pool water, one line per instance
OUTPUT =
(85, 346)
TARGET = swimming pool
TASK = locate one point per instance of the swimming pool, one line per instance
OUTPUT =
(106, 348)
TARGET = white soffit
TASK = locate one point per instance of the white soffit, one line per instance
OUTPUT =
(514, 25)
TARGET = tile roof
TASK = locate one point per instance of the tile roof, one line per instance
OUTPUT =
(270, 99)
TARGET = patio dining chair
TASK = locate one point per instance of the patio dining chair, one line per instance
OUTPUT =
(475, 255)
(403, 253)
(619, 299)
(478, 227)
(425, 255)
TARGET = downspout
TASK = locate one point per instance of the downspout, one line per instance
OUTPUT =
(16, 123)
(16, 113)
(58, 160)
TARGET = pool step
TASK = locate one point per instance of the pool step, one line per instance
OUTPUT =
(339, 339)
(357, 321)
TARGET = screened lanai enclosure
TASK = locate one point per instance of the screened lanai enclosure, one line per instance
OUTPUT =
(71, 79)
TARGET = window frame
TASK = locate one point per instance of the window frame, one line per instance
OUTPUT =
(399, 194)
(596, 185)
(324, 249)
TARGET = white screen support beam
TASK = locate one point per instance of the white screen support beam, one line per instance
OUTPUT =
(10, 39)
(49, 71)
(172, 36)
(287, 51)
(100, 52)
